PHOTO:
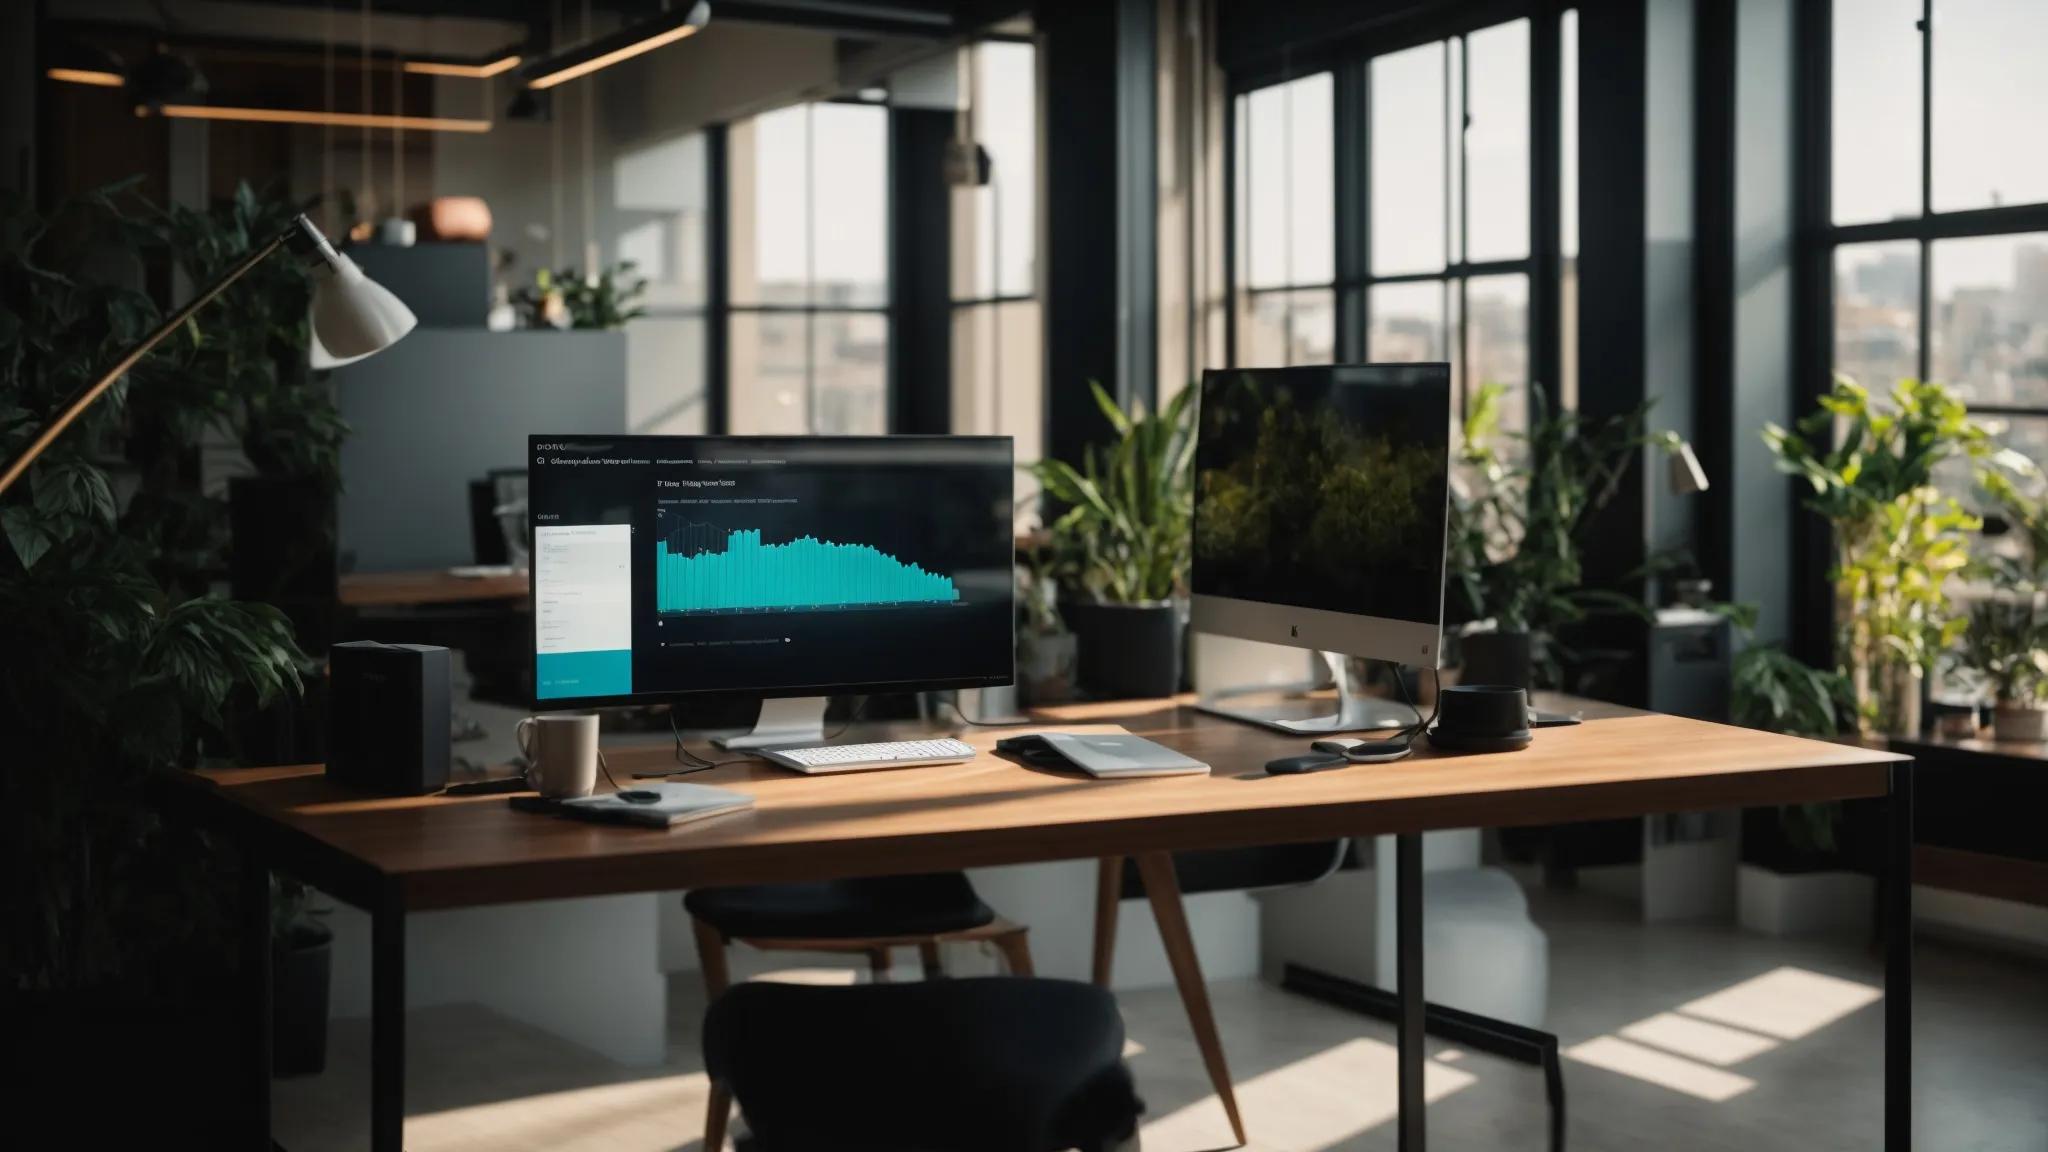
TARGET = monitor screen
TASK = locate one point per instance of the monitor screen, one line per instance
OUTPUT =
(1324, 489)
(797, 566)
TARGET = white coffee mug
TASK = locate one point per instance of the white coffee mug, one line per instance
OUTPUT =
(561, 753)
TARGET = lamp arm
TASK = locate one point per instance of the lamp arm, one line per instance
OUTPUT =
(85, 398)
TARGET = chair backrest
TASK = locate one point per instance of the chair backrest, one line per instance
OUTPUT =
(1247, 869)
(486, 539)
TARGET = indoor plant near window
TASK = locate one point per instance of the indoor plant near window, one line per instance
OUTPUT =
(1121, 547)
(2006, 643)
(1513, 568)
(1897, 538)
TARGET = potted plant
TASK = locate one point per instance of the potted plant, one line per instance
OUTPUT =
(1516, 534)
(301, 967)
(111, 671)
(1121, 547)
(2006, 643)
(1897, 538)
(569, 299)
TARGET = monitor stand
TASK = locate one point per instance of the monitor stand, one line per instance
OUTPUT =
(783, 723)
(1302, 710)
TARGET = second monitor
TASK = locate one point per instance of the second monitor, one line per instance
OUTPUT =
(1321, 506)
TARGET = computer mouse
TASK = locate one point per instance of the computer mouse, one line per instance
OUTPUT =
(1296, 765)
(640, 796)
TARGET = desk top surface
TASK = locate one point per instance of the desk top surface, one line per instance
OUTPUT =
(426, 586)
(453, 851)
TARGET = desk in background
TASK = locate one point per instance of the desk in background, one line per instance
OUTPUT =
(393, 856)
(427, 586)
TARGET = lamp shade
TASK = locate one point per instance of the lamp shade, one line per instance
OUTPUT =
(354, 315)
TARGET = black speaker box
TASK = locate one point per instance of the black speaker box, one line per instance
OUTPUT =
(387, 716)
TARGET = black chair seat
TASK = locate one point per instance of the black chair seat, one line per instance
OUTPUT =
(878, 906)
(995, 1064)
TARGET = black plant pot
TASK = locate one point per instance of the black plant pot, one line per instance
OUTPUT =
(301, 970)
(1496, 658)
(1125, 651)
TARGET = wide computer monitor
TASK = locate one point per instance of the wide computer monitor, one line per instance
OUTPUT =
(1321, 503)
(774, 567)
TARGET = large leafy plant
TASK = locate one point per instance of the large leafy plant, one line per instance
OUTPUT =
(1123, 536)
(110, 672)
(1870, 469)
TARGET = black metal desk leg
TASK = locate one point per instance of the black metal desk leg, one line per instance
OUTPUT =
(1898, 963)
(387, 1025)
(1408, 986)
(255, 912)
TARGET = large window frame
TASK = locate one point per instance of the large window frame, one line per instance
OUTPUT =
(811, 309)
(1821, 239)
(1350, 61)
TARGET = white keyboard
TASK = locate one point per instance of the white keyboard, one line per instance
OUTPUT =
(861, 757)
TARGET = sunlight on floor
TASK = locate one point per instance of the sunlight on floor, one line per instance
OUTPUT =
(1687, 1050)
(1710, 1043)
(659, 1112)
(1357, 1082)
(1787, 1003)
(1673, 1072)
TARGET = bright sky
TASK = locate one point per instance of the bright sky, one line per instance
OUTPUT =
(1990, 99)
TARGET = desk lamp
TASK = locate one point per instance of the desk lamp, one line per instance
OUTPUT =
(353, 316)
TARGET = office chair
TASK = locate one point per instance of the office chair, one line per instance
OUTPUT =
(870, 916)
(996, 1064)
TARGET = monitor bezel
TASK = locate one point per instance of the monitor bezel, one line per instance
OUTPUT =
(1417, 643)
(739, 695)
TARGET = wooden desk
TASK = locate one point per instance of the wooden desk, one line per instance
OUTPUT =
(396, 855)
(426, 586)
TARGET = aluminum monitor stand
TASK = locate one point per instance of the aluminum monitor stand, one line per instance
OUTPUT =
(783, 723)
(1289, 708)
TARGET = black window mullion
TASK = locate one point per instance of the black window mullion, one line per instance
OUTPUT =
(1925, 357)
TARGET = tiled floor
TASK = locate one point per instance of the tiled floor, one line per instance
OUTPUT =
(1680, 1037)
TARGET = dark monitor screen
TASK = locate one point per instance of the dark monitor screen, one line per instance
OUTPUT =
(1325, 488)
(765, 566)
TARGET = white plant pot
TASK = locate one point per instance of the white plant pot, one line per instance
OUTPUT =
(2020, 722)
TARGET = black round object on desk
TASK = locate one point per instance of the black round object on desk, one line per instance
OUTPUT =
(1481, 718)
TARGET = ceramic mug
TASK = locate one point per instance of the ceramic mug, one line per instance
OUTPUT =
(561, 754)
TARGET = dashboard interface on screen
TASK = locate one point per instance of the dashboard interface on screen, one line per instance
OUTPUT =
(775, 566)
(1325, 488)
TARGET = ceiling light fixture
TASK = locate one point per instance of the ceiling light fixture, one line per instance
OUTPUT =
(469, 71)
(77, 62)
(605, 51)
(337, 119)
(86, 76)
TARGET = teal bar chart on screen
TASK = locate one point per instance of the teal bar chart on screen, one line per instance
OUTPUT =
(701, 568)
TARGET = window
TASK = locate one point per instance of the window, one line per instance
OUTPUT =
(1940, 247)
(1442, 134)
(808, 271)
(660, 195)
(1449, 188)
(1286, 224)
(997, 341)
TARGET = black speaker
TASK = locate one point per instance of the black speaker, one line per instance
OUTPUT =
(387, 716)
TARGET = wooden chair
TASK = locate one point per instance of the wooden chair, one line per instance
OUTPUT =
(871, 916)
(1162, 878)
